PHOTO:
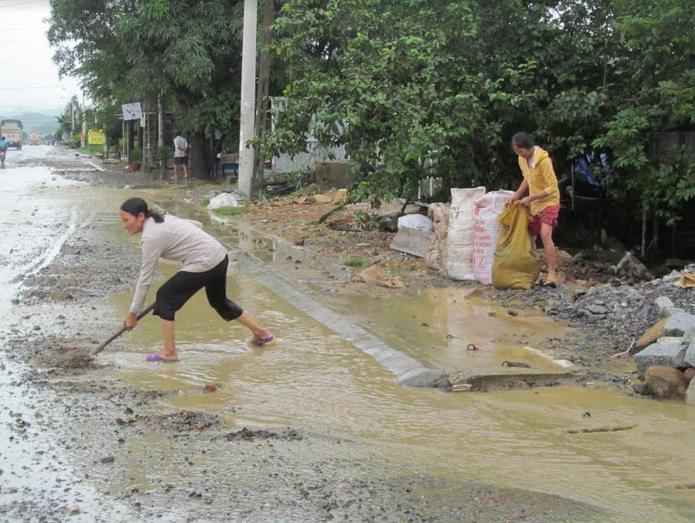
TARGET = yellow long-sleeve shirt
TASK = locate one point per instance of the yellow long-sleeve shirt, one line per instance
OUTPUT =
(540, 176)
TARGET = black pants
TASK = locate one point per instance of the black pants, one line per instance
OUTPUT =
(181, 286)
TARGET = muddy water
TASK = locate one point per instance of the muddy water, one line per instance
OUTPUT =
(35, 225)
(527, 439)
(314, 381)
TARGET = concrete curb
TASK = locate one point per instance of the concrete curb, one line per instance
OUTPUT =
(407, 370)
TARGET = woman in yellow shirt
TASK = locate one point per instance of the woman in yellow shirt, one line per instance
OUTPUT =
(543, 200)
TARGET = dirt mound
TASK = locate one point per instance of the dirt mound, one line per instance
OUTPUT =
(247, 434)
(65, 357)
(182, 421)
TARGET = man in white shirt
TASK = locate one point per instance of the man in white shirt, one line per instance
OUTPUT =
(180, 157)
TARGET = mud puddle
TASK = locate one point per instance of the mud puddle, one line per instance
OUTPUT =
(390, 453)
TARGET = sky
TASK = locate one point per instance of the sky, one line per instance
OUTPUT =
(28, 77)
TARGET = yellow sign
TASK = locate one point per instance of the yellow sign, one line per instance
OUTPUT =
(96, 137)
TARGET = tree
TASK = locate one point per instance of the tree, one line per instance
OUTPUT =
(185, 51)
(656, 95)
(436, 88)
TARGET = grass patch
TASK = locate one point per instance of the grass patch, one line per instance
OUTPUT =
(205, 201)
(229, 211)
(355, 261)
(396, 270)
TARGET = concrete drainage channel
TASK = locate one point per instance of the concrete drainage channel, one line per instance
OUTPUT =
(407, 370)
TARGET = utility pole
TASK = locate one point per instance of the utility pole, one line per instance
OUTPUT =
(84, 123)
(160, 136)
(248, 90)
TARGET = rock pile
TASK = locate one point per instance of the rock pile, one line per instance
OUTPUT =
(667, 355)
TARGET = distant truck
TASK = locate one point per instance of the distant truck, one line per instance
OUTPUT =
(12, 131)
(34, 139)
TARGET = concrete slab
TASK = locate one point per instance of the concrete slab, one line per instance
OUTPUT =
(491, 382)
(412, 241)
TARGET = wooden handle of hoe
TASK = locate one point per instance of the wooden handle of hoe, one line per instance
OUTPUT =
(101, 347)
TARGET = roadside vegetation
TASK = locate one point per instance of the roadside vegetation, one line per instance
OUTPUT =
(421, 89)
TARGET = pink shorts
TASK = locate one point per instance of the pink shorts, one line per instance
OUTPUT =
(548, 216)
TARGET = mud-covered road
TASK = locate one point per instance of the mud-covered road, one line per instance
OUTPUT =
(311, 429)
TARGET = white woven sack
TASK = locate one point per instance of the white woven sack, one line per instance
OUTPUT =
(486, 227)
(460, 237)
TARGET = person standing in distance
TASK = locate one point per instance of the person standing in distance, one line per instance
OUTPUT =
(543, 200)
(180, 157)
(204, 262)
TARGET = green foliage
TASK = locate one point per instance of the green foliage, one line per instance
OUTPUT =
(369, 222)
(229, 211)
(355, 261)
(185, 51)
(422, 87)
(656, 97)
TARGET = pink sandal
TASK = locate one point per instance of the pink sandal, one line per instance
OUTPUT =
(262, 341)
(154, 357)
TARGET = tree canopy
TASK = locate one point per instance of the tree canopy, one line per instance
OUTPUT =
(185, 51)
(417, 88)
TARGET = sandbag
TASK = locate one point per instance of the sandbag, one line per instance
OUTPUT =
(436, 253)
(486, 227)
(516, 265)
(415, 221)
(223, 200)
(460, 237)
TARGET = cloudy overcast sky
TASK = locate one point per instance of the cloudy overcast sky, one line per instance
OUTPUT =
(28, 77)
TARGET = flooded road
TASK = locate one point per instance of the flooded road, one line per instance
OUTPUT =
(357, 423)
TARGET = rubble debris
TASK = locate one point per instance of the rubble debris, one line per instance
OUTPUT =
(376, 274)
(630, 267)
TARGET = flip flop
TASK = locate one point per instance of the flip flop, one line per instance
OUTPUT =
(262, 341)
(551, 284)
(154, 357)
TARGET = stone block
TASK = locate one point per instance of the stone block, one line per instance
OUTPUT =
(689, 357)
(668, 351)
(597, 309)
(665, 383)
(652, 334)
(672, 311)
(335, 173)
(679, 324)
(412, 241)
(662, 303)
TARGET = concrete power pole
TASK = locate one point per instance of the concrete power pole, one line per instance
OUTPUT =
(160, 136)
(84, 123)
(248, 91)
